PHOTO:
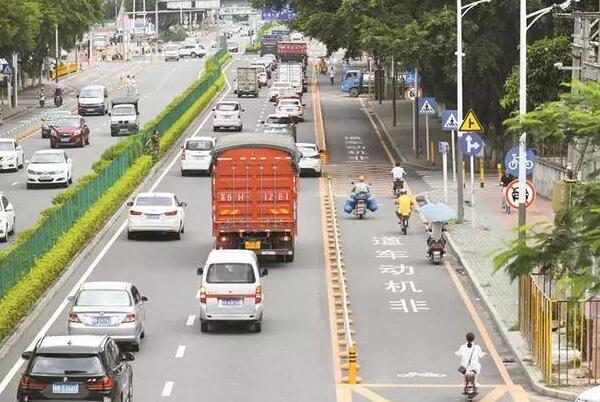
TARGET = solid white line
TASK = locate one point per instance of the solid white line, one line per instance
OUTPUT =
(19, 363)
(168, 388)
(180, 351)
(14, 183)
(190, 320)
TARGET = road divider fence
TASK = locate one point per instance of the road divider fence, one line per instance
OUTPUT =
(344, 324)
(30, 265)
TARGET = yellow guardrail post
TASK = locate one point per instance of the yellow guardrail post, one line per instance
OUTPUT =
(352, 377)
(481, 173)
(432, 152)
(499, 169)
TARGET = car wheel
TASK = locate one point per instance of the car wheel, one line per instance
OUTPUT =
(29, 186)
(193, 55)
(178, 234)
(184, 173)
(143, 334)
(257, 326)
(135, 347)
(5, 238)
(65, 184)
(130, 235)
(87, 140)
(182, 229)
(52, 145)
(70, 181)
(130, 392)
(203, 326)
(14, 227)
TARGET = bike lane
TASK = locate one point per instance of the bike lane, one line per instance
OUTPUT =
(409, 316)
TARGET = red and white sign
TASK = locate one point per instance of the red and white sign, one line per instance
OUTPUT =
(411, 94)
(511, 194)
(291, 48)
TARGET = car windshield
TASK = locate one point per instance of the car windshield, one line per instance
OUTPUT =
(227, 107)
(292, 102)
(47, 158)
(171, 48)
(103, 297)
(7, 146)
(65, 364)
(53, 116)
(281, 85)
(199, 145)
(307, 150)
(91, 93)
(279, 120)
(68, 122)
(154, 201)
(123, 110)
(230, 273)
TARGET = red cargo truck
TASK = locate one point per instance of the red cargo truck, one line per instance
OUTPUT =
(292, 52)
(254, 194)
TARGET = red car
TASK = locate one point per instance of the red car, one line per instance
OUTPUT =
(70, 130)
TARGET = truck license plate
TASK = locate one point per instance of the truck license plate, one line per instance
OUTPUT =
(252, 245)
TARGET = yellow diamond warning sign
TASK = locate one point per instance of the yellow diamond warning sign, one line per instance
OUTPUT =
(471, 123)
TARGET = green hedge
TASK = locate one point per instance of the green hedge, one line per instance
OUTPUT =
(17, 302)
(254, 48)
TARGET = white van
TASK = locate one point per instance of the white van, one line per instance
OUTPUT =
(262, 72)
(231, 289)
(92, 99)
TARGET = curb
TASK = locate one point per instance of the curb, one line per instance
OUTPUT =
(537, 387)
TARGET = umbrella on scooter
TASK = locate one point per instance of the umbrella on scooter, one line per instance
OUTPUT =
(437, 212)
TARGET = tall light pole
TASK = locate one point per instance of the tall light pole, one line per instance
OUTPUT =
(460, 13)
(523, 27)
(56, 52)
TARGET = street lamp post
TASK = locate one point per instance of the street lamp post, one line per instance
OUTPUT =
(460, 12)
(56, 52)
(523, 27)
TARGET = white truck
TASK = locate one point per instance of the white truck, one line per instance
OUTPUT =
(247, 82)
(292, 73)
(124, 116)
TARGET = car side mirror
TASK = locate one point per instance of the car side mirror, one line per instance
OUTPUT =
(9, 207)
(71, 298)
(261, 121)
(78, 95)
(51, 126)
(128, 356)
(110, 113)
(130, 203)
(264, 272)
(106, 95)
(183, 204)
(351, 182)
(304, 104)
(26, 355)
(214, 109)
(200, 271)
(243, 109)
(27, 161)
(144, 299)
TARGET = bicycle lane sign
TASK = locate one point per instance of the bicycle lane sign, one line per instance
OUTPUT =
(511, 161)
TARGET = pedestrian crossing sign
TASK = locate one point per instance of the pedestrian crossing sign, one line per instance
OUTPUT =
(471, 123)
(427, 106)
(449, 120)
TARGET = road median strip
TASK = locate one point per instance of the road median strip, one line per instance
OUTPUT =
(30, 265)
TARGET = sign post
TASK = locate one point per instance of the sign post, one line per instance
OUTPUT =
(443, 149)
(472, 125)
(427, 107)
(450, 123)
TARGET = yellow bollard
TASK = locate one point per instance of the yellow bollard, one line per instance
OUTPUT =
(499, 168)
(352, 365)
(481, 173)
(432, 152)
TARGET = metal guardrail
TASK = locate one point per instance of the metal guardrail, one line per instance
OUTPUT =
(341, 299)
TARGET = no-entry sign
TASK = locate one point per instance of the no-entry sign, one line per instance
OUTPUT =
(511, 194)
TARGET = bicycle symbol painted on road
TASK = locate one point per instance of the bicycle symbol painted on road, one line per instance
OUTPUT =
(414, 374)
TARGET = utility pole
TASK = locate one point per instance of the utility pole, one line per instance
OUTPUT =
(56, 52)
(417, 142)
(460, 205)
(394, 91)
(522, 111)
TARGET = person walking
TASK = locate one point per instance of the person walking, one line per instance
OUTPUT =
(331, 74)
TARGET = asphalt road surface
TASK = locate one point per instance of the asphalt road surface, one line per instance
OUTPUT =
(289, 361)
(157, 84)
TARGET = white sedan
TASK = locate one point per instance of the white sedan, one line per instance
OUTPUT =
(11, 154)
(279, 88)
(196, 155)
(48, 167)
(292, 107)
(156, 212)
(310, 158)
(7, 218)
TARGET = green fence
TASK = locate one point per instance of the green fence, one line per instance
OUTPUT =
(17, 260)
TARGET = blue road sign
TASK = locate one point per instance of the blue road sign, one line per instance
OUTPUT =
(278, 13)
(511, 161)
(471, 144)
(409, 78)
(427, 106)
(5, 67)
(449, 120)
(443, 147)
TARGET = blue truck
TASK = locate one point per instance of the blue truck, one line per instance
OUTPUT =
(355, 81)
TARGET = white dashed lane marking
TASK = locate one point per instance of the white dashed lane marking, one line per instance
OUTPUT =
(168, 388)
(180, 351)
(190, 320)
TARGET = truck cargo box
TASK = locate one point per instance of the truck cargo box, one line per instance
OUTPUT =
(254, 194)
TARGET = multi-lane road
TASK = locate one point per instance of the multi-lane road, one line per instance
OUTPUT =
(409, 316)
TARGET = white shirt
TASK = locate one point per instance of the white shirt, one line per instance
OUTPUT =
(361, 187)
(398, 172)
(474, 353)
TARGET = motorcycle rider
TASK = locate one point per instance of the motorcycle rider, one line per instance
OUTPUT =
(436, 231)
(405, 206)
(505, 180)
(469, 354)
(361, 186)
(41, 96)
(398, 173)
(58, 94)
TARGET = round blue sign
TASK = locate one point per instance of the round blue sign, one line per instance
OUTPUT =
(511, 161)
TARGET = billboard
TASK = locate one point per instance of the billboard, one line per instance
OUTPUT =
(278, 13)
(193, 4)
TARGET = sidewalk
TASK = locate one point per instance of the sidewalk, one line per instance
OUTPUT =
(486, 230)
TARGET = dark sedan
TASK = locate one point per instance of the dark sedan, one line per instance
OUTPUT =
(71, 130)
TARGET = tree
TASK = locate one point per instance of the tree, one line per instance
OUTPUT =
(19, 25)
(543, 78)
(566, 251)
